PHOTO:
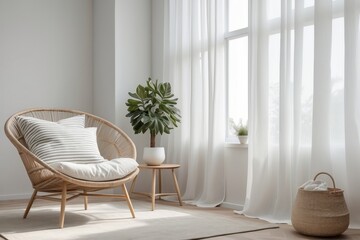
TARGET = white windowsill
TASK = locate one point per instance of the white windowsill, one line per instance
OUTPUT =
(235, 145)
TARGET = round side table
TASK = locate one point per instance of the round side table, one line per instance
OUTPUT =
(153, 193)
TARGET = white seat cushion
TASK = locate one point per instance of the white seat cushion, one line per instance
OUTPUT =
(104, 171)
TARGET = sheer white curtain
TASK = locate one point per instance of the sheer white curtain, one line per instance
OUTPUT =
(305, 102)
(193, 63)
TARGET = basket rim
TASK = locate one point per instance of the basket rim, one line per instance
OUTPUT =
(329, 190)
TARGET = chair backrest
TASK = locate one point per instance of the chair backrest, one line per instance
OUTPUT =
(112, 141)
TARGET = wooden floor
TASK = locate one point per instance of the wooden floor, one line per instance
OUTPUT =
(283, 232)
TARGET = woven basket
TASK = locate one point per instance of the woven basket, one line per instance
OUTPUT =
(320, 213)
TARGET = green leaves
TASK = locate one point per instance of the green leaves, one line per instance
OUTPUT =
(152, 107)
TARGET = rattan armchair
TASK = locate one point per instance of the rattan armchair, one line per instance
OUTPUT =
(56, 186)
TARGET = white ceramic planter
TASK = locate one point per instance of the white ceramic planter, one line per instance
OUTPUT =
(154, 156)
(243, 139)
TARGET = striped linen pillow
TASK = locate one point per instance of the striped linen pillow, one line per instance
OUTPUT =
(60, 142)
(76, 121)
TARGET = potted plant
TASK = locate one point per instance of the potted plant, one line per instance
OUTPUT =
(152, 108)
(241, 131)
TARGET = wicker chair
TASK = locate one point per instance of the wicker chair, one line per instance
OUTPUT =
(112, 142)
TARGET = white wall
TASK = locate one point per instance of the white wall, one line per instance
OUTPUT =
(133, 53)
(236, 166)
(45, 61)
(104, 59)
(157, 39)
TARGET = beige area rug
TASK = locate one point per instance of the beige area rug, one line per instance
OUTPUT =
(111, 220)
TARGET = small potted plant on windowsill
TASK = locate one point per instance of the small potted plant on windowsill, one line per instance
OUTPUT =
(241, 131)
(152, 108)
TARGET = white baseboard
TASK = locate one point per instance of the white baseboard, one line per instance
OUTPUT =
(232, 206)
(15, 196)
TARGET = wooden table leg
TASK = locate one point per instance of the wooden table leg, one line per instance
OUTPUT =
(153, 190)
(176, 186)
(159, 182)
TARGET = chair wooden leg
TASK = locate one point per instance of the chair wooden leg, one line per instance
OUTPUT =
(128, 200)
(63, 203)
(30, 203)
(85, 200)
(177, 187)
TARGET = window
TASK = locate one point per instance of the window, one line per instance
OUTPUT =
(237, 55)
(238, 46)
(301, 64)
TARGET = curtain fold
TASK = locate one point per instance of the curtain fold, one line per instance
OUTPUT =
(352, 108)
(194, 65)
(304, 103)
